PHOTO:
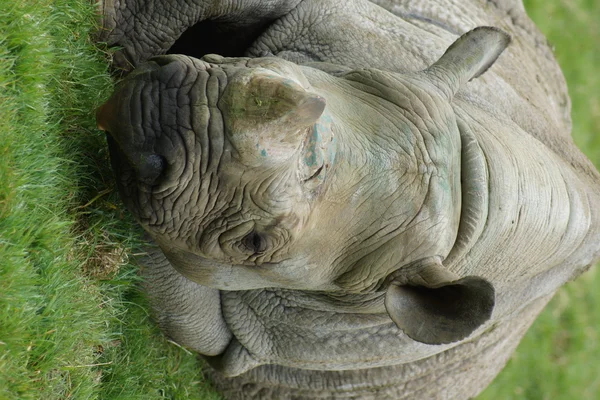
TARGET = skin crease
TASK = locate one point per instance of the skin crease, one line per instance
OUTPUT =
(459, 195)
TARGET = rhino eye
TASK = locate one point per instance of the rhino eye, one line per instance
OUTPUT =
(255, 243)
(150, 168)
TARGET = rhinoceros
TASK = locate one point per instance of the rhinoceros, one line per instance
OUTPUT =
(352, 199)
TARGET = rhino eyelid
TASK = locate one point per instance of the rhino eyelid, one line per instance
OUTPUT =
(316, 173)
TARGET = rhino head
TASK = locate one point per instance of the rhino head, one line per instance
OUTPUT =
(256, 173)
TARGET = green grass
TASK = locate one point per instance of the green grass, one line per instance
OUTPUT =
(43, 301)
(72, 323)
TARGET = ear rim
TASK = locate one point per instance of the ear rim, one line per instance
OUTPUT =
(440, 313)
(470, 56)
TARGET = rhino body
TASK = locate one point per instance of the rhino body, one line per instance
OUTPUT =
(336, 211)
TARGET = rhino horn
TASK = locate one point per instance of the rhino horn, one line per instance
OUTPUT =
(267, 115)
(434, 306)
(467, 58)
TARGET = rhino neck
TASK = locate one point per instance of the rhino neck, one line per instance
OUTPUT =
(299, 329)
(458, 372)
(538, 213)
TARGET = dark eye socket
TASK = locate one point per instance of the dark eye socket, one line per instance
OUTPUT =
(255, 243)
(150, 168)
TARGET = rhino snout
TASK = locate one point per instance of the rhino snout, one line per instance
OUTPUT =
(163, 107)
(163, 128)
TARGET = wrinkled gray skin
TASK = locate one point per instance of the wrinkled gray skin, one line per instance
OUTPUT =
(346, 216)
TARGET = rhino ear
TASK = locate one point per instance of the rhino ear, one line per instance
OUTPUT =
(266, 115)
(467, 58)
(435, 307)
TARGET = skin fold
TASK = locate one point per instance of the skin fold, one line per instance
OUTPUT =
(370, 201)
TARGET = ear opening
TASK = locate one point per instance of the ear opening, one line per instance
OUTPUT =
(441, 313)
(467, 58)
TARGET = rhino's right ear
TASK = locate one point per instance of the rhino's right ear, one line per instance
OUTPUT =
(433, 306)
(467, 58)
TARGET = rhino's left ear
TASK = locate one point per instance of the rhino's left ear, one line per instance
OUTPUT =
(467, 58)
(433, 306)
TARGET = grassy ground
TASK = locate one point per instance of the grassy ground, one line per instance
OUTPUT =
(72, 324)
